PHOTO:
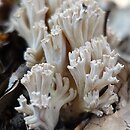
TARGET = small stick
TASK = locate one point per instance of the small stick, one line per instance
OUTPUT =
(105, 22)
(82, 125)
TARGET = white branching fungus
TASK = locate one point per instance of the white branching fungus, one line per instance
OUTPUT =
(34, 54)
(66, 4)
(81, 22)
(38, 78)
(57, 6)
(29, 21)
(27, 18)
(100, 104)
(48, 93)
(24, 107)
(80, 65)
(54, 46)
(93, 67)
(76, 27)
(34, 10)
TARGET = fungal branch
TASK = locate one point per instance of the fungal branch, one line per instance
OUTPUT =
(91, 65)
(29, 21)
(48, 92)
(94, 71)
(84, 20)
(34, 54)
(54, 46)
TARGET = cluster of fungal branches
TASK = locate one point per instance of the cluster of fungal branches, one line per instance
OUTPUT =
(70, 60)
